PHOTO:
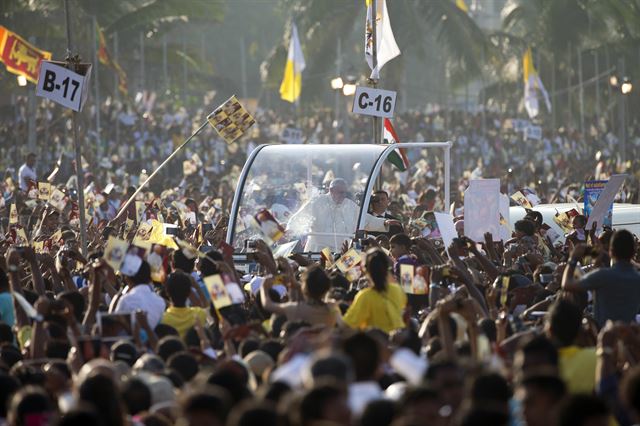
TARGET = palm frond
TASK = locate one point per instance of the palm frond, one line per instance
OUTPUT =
(467, 46)
(161, 10)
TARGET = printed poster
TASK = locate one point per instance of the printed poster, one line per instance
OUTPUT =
(505, 219)
(482, 209)
(521, 200)
(427, 225)
(44, 191)
(407, 273)
(565, 220)
(604, 203)
(592, 191)
(218, 291)
(348, 260)
(114, 252)
(447, 228)
(231, 120)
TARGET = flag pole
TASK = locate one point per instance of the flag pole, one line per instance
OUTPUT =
(553, 91)
(296, 106)
(165, 72)
(374, 54)
(142, 71)
(155, 172)
(337, 110)
(32, 112)
(243, 68)
(569, 70)
(581, 92)
(185, 71)
(374, 83)
(116, 89)
(96, 84)
(596, 66)
(72, 63)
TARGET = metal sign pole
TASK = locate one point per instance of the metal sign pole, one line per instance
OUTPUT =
(96, 86)
(374, 54)
(72, 63)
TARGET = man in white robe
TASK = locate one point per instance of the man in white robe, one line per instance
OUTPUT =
(330, 219)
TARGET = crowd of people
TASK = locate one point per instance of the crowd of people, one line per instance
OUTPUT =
(136, 135)
(157, 322)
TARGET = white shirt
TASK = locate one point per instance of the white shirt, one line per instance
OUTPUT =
(323, 216)
(291, 372)
(361, 394)
(26, 173)
(141, 297)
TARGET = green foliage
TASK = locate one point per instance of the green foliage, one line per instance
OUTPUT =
(466, 44)
(318, 22)
(560, 30)
(161, 11)
(321, 22)
(555, 26)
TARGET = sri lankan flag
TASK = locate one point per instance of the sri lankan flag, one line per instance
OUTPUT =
(20, 57)
(398, 157)
(105, 58)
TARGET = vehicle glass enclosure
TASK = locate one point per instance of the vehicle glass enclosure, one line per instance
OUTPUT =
(283, 178)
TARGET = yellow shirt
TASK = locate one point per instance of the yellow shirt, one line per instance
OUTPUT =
(578, 368)
(370, 308)
(24, 335)
(182, 319)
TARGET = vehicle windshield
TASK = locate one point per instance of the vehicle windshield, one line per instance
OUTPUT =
(283, 178)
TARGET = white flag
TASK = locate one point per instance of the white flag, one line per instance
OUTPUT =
(386, 47)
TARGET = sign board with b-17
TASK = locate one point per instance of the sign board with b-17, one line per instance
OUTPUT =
(63, 86)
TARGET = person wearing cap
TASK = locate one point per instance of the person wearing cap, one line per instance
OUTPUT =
(124, 351)
(332, 218)
(258, 362)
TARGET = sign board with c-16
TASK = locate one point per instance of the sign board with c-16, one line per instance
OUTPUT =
(63, 86)
(376, 102)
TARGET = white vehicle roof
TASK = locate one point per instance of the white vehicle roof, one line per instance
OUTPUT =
(625, 216)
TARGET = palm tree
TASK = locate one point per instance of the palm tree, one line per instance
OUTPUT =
(321, 22)
(560, 30)
(126, 17)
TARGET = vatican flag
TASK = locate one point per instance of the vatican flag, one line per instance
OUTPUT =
(386, 47)
(532, 84)
(291, 85)
(462, 6)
